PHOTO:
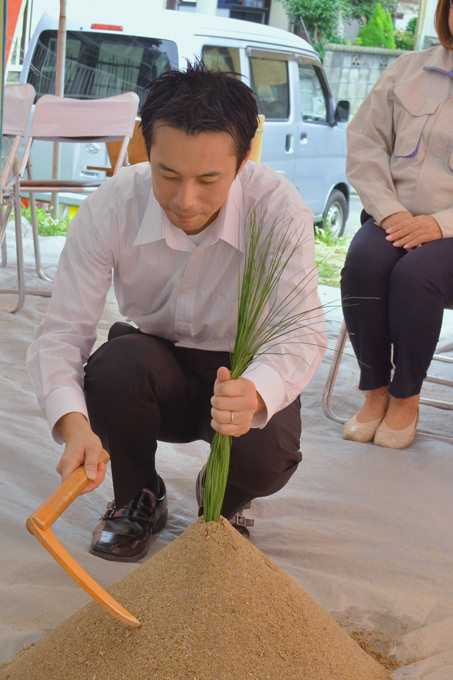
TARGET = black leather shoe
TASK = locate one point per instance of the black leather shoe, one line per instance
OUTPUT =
(124, 535)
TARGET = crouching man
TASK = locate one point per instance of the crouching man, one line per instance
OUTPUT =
(171, 234)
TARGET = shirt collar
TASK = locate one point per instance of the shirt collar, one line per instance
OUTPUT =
(440, 61)
(228, 225)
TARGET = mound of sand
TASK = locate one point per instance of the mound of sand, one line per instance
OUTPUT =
(212, 607)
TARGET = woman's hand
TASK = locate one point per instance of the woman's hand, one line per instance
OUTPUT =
(406, 231)
(234, 404)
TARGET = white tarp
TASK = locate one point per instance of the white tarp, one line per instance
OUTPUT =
(365, 530)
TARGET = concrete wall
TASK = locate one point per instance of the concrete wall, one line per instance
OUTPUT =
(352, 70)
(278, 16)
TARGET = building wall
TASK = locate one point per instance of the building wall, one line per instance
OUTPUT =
(352, 70)
(278, 16)
(407, 9)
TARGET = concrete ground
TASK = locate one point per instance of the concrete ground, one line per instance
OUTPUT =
(353, 223)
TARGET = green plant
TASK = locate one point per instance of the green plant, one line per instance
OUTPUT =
(320, 17)
(329, 261)
(330, 253)
(324, 234)
(47, 225)
(378, 31)
(264, 320)
(405, 40)
(363, 9)
(411, 26)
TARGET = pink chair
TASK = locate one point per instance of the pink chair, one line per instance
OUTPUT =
(17, 103)
(62, 120)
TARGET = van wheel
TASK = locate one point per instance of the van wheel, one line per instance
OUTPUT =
(335, 213)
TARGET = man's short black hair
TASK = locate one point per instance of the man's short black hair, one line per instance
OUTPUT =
(200, 100)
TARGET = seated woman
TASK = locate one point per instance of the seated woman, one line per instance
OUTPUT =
(398, 274)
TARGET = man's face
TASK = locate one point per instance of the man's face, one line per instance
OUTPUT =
(192, 175)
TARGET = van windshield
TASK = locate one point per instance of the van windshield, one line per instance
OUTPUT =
(101, 64)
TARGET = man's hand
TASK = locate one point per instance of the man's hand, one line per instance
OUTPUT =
(82, 447)
(406, 231)
(234, 404)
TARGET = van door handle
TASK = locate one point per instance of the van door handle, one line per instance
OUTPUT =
(289, 143)
(303, 138)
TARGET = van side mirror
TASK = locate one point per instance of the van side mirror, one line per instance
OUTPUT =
(342, 111)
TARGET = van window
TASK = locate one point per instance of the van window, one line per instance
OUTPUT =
(222, 58)
(100, 64)
(312, 95)
(269, 79)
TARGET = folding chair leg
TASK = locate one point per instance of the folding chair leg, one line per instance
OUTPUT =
(34, 226)
(4, 255)
(19, 253)
(332, 376)
(5, 212)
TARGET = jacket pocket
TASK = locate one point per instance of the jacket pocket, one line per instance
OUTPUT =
(411, 113)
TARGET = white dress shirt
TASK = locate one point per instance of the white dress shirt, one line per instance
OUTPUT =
(171, 285)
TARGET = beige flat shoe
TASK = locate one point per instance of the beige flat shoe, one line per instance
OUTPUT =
(395, 439)
(360, 432)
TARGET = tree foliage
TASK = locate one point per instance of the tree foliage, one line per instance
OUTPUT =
(378, 31)
(405, 40)
(363, 9)
(320, 17)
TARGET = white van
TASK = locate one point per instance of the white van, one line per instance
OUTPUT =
(304, 133)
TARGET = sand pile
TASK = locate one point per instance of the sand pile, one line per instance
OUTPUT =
(212, 607)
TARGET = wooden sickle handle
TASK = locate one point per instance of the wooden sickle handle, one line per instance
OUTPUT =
(59, 500)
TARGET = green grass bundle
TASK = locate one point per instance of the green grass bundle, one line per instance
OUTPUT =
(265, 319)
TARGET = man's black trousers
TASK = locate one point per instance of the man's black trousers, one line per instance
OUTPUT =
(141, 389)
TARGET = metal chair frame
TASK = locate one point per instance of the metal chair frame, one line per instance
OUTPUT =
(17, 104)
(57, 119)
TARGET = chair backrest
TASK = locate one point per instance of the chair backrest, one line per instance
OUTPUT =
(137, 152)
(257, 141)
(63, 119)
(60, 119)
(17, 103)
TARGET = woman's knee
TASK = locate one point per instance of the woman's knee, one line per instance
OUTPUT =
(370, 257)
(413, 280)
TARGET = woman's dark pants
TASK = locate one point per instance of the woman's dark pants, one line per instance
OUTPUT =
(395, 299)
(141, 389)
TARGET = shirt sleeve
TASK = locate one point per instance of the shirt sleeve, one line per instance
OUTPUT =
(66, 335)
(444, 219)
(371, 137)
(289, 362)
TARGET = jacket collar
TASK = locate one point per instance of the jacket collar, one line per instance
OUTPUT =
(441, 61)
